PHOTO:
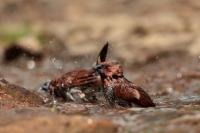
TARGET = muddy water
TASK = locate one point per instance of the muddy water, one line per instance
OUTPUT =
(173, 82)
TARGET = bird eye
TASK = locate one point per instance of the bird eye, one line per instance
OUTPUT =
(115, 76)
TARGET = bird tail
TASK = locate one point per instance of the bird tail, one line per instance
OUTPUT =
(144, 99)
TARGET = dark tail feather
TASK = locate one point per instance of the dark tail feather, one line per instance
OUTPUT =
(103, 54)
(144, 100)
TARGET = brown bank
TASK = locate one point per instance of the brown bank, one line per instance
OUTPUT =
(60, 124)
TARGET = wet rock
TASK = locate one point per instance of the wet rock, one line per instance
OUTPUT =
(60, 124)
(14, 96)
(28, 47)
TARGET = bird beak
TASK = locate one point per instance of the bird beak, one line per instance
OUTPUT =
(97, 67)
(45, 86)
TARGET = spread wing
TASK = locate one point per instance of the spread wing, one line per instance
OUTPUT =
(102, 54)
(141, 98)
(132, 93)
(76, 78)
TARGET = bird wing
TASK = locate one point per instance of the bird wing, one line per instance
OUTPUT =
(142, 98)
(132, 93)
(102, 54)
(76, 78)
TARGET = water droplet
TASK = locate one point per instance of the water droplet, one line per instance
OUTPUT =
(31, 64)
(53, 60)
(45, 100)
(57, 63)
(81, 95)
(54, 102)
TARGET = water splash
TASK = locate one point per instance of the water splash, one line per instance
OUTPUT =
(57, 63)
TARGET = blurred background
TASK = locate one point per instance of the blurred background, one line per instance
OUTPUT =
(132, 26)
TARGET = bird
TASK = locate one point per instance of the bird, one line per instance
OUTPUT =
(106, 75)
(61, 86)
(117, 88)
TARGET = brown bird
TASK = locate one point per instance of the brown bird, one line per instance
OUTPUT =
(61, 86)
(117, 88)
(83, 78)
(109, 74)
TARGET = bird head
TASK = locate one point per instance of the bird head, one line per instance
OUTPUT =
(107, 69)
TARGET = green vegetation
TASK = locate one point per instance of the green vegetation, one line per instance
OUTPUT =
(10, 33)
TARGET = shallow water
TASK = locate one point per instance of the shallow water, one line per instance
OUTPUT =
(177, 97)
